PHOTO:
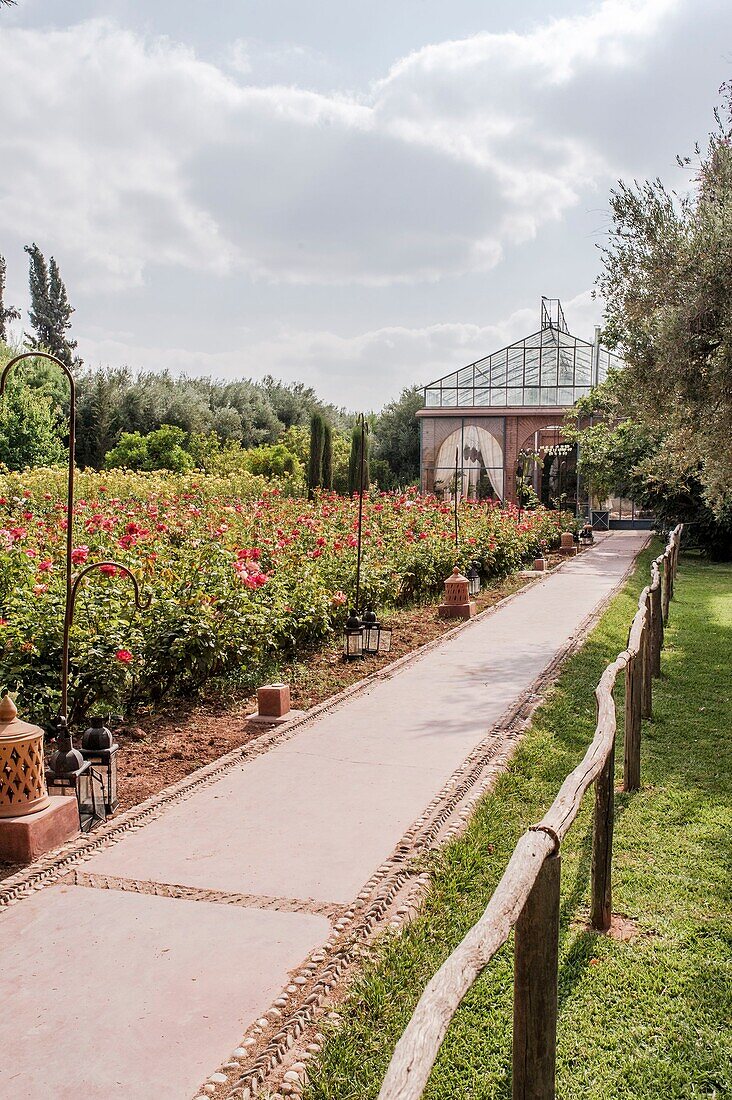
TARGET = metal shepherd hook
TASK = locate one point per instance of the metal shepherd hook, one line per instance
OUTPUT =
(72, 584)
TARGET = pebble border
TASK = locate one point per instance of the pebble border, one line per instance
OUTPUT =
(475, 776)
(50, 868)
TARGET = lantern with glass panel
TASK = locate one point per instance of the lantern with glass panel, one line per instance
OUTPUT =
(376, 636)
(353, 632)
(69, 774)
(99, 748)
(473, 579)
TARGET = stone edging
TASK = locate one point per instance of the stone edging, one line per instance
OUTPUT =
(343, 947)
(50, 868)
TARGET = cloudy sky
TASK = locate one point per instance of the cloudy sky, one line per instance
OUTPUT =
(356, 195)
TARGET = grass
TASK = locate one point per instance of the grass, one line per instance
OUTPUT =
(639, 1020)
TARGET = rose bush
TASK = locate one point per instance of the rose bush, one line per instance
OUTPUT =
(236, 572)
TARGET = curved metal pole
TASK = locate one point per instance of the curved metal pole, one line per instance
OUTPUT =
(139, 604)
(69, 504)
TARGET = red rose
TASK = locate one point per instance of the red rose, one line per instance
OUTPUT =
(124, 656)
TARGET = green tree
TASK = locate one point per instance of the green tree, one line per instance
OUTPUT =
(29, 429)
(50, 312)
(162, 449)
(7, 313)
(272, 461)
(667, 282)
(354, 463)
(327, 478)
(317, 443)
(396, 434)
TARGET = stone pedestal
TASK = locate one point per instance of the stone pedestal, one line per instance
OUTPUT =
(23, 839)
(539, 565)
(567, 547)
(273, 703)
(457, 603)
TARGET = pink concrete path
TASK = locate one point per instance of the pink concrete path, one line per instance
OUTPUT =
(109, 994)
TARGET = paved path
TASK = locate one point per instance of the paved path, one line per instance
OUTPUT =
(109, 993)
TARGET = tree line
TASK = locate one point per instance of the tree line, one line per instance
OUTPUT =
(154, 419)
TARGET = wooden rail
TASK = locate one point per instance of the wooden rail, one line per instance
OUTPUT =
(527, 897)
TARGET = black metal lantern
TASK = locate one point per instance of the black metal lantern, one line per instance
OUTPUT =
(473, 579)
(353, 637)
(99, 748)
(376, 638)
(69, 774)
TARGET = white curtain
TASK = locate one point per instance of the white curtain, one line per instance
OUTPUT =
(477, 450)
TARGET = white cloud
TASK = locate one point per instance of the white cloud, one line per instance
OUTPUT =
(125, 152)
(371, 367)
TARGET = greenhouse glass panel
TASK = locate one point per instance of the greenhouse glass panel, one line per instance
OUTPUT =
(531, 370)
(549, 366)
(566, 367)
(498, 369)
(515, 366)
(583, 366)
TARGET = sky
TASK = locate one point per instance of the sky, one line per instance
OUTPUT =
(358, 196)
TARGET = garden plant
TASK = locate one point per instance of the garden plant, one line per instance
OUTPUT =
(236, 571)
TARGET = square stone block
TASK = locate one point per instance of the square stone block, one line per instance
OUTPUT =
(23, 839)
(457, 610)
(273, 700)
(540, 565)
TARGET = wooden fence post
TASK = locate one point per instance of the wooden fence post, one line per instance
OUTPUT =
(656, 631)
(647, 675)
(631, 764)
(601, 905)
(536, 971)
(666, 587)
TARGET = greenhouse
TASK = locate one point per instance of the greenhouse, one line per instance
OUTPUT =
(494, 428)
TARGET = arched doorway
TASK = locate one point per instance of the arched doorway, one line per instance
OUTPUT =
(479, 458)
(546, 470)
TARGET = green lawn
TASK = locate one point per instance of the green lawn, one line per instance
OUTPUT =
(644, 1019)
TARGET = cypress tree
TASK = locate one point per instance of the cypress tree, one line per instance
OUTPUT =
(40, 310)
(354, 461)
(61, 311)
(8, 313)
(50, 312)
(328, 456)
(317, 442)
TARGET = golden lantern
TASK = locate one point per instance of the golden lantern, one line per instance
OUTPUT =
(22, 781)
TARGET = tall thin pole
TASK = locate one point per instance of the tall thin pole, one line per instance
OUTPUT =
(360, 513)
(68, 609)
(457, 522)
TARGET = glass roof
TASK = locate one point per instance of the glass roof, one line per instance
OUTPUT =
(550, 367)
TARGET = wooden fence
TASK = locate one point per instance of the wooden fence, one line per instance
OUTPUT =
(527, 896)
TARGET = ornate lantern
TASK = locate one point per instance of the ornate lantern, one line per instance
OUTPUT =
(473, 579)
(22, 784)
(69, 774)
(353, 637)
(376, 638)
(99, 748)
